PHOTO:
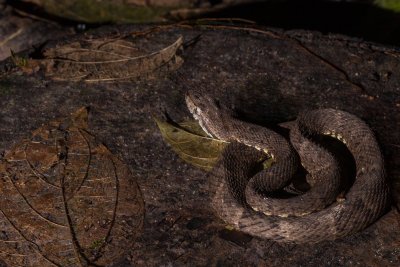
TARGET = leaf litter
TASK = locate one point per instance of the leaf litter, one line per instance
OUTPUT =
(66, 200)
(107, 60)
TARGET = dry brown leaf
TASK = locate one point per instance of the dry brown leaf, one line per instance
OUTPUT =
(66, 200)
(108, 60)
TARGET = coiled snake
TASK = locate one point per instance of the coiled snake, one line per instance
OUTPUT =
(313, 216)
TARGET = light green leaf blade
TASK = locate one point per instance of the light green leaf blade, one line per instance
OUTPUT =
(191, 143)
(393, 5)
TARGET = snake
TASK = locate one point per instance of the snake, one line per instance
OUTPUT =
(239, 187)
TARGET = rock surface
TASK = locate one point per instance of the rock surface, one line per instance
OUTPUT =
(268, 76)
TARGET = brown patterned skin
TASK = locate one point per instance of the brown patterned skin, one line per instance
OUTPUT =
(365, 201)
(220, 123)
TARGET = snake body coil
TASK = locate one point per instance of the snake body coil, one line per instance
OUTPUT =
(314, 216)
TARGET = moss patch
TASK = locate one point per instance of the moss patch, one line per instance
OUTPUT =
(393, 5)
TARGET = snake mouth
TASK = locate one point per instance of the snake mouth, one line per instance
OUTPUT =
(197, 113)
(190, 104)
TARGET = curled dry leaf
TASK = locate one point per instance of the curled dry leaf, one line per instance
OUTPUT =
(66, 200)
(109, 60)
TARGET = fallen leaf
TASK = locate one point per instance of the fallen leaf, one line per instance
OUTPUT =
(194, 146)
(191, 143)
(108, 60)
(66, 200)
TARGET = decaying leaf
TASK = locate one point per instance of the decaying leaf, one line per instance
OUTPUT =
(108, 60)
(194, 146)
(66, 200)
(191, 143)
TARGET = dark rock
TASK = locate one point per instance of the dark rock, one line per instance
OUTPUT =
(268, 76)
(196, 223)
(236, 237)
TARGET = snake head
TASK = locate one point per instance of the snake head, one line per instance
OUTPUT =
(207, 111)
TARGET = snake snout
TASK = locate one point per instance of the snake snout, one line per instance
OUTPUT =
(194, 96)
(197, 99)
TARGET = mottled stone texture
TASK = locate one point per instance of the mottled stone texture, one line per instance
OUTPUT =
(268, 76)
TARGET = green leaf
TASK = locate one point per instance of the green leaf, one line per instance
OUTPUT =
(191, 143)
(393, 5)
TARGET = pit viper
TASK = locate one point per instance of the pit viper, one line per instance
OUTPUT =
(237, 182)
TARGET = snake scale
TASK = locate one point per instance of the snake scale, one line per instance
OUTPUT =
(237, 181)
